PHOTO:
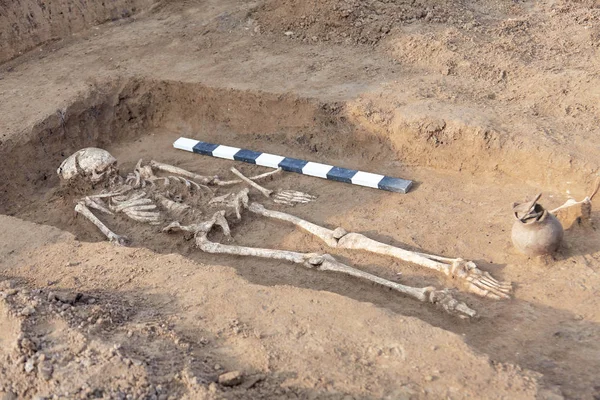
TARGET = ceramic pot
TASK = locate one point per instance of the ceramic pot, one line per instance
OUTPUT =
(537, 236)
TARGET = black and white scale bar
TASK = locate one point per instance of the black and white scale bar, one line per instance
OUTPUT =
(295, 165)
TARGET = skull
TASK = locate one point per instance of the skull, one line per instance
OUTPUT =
(91, 163)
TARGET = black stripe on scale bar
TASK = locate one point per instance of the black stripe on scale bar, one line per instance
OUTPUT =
(248, 156)
(205, 148)
(292, 164)
(397, 185)
(341, 174)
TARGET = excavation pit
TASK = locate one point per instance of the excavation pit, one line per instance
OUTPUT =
(447, 213)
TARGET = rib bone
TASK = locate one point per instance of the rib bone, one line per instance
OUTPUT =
(130, 203)
(143, 216)
(465, 272)
(172, 206)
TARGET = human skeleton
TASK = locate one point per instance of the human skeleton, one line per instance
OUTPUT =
(145, 197)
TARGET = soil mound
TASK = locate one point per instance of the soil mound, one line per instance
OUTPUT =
(25, 24)
(354, 21)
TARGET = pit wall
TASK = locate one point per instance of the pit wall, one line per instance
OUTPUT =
(122, 111)
(446, 143)
(25, 24)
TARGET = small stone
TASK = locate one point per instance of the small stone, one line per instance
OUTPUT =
(217, 367)
(212, 387)
(547, 394)
(253, 380)
(28, 344)
(429, 378)
(8, 396)
(316, 260)
(67, 297)
(232, 378)
(7, 284)
(27, 311)
(289, 33)
(29, 365)
(339, 233)
(129, 333)
(45, 370)
(73, 263)
(11, 292)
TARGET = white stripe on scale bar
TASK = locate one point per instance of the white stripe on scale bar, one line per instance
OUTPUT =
(185, 144)
(367, 179)
(269, 160)
(316, 169)
(225, 152)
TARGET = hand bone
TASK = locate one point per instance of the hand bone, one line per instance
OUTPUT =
(292, 197)
(286, 197)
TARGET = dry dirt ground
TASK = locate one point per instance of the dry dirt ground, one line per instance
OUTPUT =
(480, 103)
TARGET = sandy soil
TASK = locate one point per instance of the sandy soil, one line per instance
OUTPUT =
(480, 104)
(25, 24)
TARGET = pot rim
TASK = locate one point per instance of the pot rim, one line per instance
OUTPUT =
(542, 218)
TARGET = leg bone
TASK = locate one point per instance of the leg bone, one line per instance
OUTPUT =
(328, 263)
(466, 273)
